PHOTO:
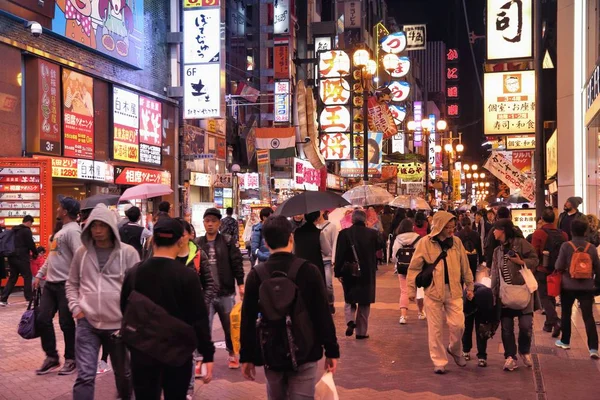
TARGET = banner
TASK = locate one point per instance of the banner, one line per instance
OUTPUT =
(281, 59)
(78, 115)
(126, 125)
(380, 118)
(411, 171)
(504, 170)
(552, 155)
(264, 174)
(354, 168)
(49, 108)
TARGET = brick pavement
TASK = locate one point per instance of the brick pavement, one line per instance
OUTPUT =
(392, 364)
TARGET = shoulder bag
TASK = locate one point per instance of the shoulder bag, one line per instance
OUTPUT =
(425, 277)
(27, 325)
(515, 297)
(352, 268)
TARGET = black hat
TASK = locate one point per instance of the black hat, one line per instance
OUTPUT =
(168, 228)
(212, 211)
(69, 204)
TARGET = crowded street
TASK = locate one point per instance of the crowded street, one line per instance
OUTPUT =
(393, 364)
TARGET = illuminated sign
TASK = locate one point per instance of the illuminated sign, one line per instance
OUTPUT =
(400, 90)
(334, 63)
(281, 17)
(334, 91)
(126, 125)
(135, 176)
(416, 37)
(509, 29)
(394, 43)
(282, 101)
(402, 69)
(335, 146)
(335, 119)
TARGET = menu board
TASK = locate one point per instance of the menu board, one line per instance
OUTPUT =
(78, 115)
(525, 220)
(126, 125)
(21, 194)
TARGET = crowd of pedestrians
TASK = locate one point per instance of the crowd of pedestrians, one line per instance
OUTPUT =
(145, 298)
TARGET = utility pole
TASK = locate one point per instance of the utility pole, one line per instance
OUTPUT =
(540, 142)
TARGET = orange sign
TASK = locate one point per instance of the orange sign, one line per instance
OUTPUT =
(200, 3)
(281, 60)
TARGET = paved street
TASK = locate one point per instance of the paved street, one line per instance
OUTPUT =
(392, 364)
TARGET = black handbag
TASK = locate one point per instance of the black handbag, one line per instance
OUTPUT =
(425, 277)
(352, 268)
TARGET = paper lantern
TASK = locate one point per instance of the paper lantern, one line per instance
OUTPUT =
(402, 68)
(334, 63)
(400, 90)
(394, 43)
(335, 146)
(334, 91)
(398, 112)
(335, 119)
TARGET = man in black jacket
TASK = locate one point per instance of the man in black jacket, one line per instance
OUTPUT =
(227, 268)
(19, 261)
(570, 214)
(307, 241)
(177, 289)
(277, 232)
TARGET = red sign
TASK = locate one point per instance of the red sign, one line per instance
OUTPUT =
(49, 111)
(135, 176)
(452, 73)
(78, 106)
(453, 110)
(452, 92)
(221, 148)
(381, 119)
(522, 160)
(452, 55)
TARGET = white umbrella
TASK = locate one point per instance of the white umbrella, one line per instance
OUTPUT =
(367, 195)
(417, 203)
(402, 201)
(146, 191)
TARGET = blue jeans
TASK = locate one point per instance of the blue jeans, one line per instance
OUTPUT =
(87, 348)
(298, 385)
(223, 306)
(329, 280)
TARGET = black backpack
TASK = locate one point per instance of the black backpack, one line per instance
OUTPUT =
(7, 243)
(132, 235)
(469, 245)
(554, 240)
(404, 256)
(285, 332)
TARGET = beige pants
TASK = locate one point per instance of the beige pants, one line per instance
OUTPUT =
(456, 325)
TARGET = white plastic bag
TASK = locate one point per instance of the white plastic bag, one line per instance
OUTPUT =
(325, 389)
(530, 280)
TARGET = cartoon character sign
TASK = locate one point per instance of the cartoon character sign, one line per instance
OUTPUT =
(78, 20)
(118, 24)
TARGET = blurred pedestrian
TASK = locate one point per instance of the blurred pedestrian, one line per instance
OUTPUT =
(479, 314)
(472, 245)
(403, 250)
(307, 242)
(421, 225)
(132, 233)
(259, 249)
(328, 239)
(230, 226)
(592, 235)
(570, 214)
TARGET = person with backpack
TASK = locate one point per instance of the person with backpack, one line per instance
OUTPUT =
(570, 214)
(479, 314)
(132, 233)
(286, 323)
(356, 267)
(580, 267)
(328, 238)
(226, 266)
(19, 246)
(547, 241)
(511, 294)
(403, 250)
(472, 245)
(441, 266)
(307, 241)
(260, 251)
(93, 290)
(56, 270)
(165, 318)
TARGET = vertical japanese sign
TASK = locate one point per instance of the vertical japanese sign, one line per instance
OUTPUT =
(418, 116)
(509, 29)
(126, 125)
(282, 101)
(416, 36)
(552, 155)
(452, 77)
(281, 59)
(264, 172)
(203, 59)
(509, 101)
(49, 107)
(78, 114)
(431, 147)
(352, 14)
(281, 17)
(150, 130)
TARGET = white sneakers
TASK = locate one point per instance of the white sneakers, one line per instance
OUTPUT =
(422, 315)
(510, 364)
(402, 320)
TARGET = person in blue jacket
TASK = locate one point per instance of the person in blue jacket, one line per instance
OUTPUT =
(260, 250)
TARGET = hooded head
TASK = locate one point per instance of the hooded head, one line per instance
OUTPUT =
(100, 213)
(440, 220)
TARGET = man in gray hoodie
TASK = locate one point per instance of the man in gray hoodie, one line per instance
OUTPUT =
(94, 292)
(56, 271)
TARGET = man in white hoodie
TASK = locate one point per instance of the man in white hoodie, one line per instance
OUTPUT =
(94, 291)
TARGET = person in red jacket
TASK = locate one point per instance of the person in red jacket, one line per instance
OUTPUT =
(37, 263)
(547, 241)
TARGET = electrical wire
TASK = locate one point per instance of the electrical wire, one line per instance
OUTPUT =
(471, 47)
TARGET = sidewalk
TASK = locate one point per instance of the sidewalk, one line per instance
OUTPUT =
(393, 364)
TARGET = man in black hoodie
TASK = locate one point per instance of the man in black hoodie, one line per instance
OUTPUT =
(19, 261)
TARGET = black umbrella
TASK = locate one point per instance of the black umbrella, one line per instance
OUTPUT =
(93, 201)
(500, 204)
(308, 202)
(514, 198)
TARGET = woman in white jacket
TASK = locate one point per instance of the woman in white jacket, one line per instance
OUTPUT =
(406, 240)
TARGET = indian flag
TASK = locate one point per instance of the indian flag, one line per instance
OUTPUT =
(281, 142)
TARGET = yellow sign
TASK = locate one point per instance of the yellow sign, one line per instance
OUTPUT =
(200, 3)
(411, 171)
(456, 184)
(552, 155)
(212, 126)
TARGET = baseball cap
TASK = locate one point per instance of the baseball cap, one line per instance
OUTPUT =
(69, 204)
(212, 211)
(168, 228)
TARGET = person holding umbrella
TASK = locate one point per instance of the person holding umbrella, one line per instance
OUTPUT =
(307, 241)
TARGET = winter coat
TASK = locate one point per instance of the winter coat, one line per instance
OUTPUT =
(307, 245)
(229, 263)
(469, 234)
(259, 247)
(491, 243)
(97, 292)
(528, 254)
(24, 244)
(198, 260)
(428, 250)
(366, 241)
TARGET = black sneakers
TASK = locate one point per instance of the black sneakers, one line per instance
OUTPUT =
(49, 365)
(68, 368)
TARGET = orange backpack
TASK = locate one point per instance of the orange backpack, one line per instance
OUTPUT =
(581, 263)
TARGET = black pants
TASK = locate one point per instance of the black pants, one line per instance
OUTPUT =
(508, 332)
(150, 378)
(54, 299)
(467, 339)
(586, 303)
(548, 302)
(18, 266)
(473, 263)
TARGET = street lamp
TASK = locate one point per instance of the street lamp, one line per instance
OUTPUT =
(362, 60)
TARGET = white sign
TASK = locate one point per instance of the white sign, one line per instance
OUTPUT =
(402, 69)
(352, 14)
(400, 90)
(202, 91)
(281, 17)
(282, 101)
(431, 147)
(394, 43)
(126, 108)
(398, 143)
(284, 183)
(248, 181)
(201, 35)
(416, 37)
(509, 29)
(305, 176)
(198, 179)
(322, 43)
(525, 220)
(503, 169)
(509, 101)
(526, 142)
(398, 112)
